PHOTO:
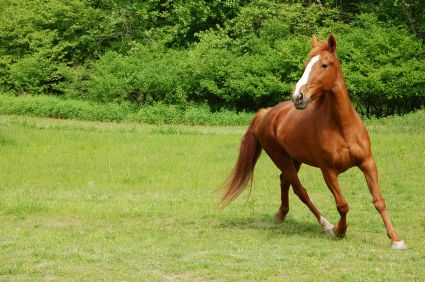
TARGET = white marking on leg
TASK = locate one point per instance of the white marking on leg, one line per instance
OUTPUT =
(327, 226)
(303, 80)
(398, 245)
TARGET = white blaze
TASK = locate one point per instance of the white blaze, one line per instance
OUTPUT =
(303, 80)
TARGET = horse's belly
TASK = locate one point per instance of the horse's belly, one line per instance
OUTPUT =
(337, 155)
(299, 149)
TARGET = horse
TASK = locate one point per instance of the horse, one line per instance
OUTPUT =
(320, 128)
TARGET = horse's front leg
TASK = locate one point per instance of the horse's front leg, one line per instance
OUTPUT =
(331, 180)
(371, 174)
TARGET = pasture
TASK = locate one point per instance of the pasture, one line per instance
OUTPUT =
(84, 201)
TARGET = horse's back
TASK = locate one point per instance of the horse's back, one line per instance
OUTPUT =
(271, 118)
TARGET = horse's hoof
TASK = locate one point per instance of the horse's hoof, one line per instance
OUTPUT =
(279, 217)
(338, 234)
(398, 245)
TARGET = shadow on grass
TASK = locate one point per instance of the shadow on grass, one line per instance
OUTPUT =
(289, 227)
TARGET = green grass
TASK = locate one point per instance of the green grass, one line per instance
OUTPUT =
(159, 114)
(84, 201)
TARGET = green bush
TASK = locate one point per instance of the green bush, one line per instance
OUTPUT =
(55, 107)
(47, 106)
(143, 75)
(383, 66)
(30, 75)
(256, 59)
(237, 55)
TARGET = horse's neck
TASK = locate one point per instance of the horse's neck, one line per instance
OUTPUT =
(343, 113)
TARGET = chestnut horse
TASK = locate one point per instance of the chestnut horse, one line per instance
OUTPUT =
(319, 127)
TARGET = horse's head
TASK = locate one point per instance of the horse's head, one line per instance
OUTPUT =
(319, 75)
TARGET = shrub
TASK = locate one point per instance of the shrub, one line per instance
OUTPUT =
(30, 75)
(383, 67)
(240, 54)
(55, 107)
(143, 75)
(47, 106)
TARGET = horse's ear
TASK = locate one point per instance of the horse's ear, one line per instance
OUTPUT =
(313, 40)
(332, 43)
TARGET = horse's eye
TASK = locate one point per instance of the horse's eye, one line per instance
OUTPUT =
(324, 66)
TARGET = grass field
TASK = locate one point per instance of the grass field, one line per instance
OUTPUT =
(89, 201)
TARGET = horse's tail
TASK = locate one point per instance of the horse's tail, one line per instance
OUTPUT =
(242, 173)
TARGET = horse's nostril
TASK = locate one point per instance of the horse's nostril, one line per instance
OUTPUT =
(300, 96)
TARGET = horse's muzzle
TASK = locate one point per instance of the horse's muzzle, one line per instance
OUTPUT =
(299, 101)
(300, 106)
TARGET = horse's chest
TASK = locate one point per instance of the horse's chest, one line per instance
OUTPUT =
(339, 155)
(339, 158)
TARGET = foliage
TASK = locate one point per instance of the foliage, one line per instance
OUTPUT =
(410, 13)
(47, 106)
(389, 81)
(54, 107)
(239, 55)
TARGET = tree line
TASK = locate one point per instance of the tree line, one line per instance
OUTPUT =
(232, 54)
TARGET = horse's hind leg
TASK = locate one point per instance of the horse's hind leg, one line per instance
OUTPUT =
(284, 191)
(290, 170)
(301, 192)
(289, 176)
